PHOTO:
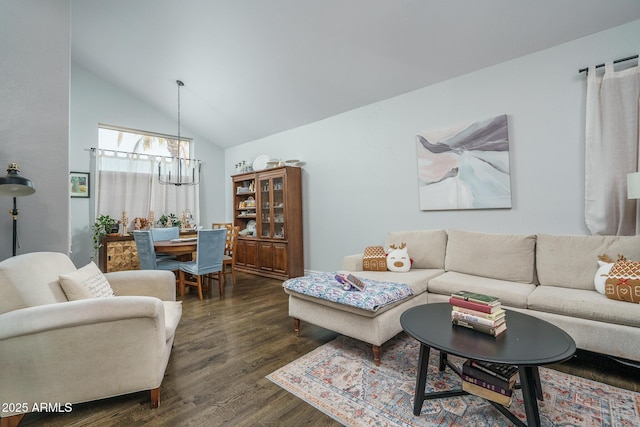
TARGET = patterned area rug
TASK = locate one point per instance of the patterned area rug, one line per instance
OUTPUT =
(341, 380)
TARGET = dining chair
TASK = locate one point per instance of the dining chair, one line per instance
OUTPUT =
(147, 254)
(162, 233)
(229, 260)
(210, 251)
(226, 225)
(165, 233)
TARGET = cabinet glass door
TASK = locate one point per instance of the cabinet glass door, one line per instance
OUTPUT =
(278, 207)
(272, 221)
(265, 208)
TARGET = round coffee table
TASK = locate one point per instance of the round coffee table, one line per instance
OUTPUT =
(528, 343)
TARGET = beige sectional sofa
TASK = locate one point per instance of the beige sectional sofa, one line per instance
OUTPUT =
(544, 275)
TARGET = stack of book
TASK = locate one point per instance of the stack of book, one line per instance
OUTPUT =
(491, 381)
(479, 312)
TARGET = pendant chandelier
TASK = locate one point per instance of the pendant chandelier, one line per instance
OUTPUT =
(185, 171)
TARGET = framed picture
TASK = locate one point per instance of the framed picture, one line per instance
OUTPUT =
(79, 184)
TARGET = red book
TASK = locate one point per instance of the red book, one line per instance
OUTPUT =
(474, 305)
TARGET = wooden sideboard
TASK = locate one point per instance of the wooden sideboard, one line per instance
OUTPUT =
(119, 253)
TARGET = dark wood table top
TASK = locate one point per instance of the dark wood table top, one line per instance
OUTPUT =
(169, 247)
(527, 340)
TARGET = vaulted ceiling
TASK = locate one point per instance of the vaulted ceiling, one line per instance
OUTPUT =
(253, 68)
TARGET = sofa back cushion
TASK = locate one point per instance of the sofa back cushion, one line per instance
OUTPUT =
(426, 247)
(33, 279)
(497, 256)
(572, 261)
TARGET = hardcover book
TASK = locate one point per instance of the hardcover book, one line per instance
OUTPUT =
(484, 308)
(489, 386)
(486, 393)
(495, 331)
(349, 282)
(469, 370)
(471, 318)
(476, 297)
(498, 314)
(504, 372)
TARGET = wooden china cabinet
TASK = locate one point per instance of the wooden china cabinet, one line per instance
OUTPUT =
(268, 210)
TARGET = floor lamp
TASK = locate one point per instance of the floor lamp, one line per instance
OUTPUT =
(14, 185)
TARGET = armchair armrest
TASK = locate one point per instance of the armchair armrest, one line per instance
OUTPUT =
(78, 314)
(154, 283)
(63, 352)
(353, 262)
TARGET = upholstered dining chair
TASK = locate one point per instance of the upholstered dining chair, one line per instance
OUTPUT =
(210, 252)
(162, 233)
(147, 254)
(165, 233)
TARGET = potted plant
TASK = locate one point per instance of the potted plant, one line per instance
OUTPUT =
(169, 221)
(104, 225)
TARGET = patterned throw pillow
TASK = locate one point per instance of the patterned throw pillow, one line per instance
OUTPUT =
(374, 259)
(86, 282)
(623, 282)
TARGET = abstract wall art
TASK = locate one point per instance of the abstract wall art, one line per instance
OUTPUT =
(466, 167)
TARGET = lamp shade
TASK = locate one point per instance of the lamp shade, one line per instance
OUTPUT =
(633, 185)
(14, 185)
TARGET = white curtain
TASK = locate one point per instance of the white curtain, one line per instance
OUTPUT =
(612, 117)
(129, 182)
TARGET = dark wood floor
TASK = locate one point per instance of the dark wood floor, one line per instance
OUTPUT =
(223, 350)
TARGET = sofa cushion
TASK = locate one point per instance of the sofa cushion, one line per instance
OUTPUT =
(417, 279)
(34, 276)
(497, 256)
(585, 304)
(86, 282)
(572, 261)
(10, 297)
(426, 247)
(512, 294)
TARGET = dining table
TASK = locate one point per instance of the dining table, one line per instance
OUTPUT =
(181, 248)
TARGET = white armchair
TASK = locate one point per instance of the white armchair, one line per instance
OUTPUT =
(57, 351)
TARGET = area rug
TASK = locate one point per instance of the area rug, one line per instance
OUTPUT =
(341, 380)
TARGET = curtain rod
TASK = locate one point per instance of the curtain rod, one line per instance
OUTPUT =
(628, 58)
(93, 149)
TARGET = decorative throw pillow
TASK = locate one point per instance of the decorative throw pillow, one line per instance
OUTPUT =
(604, 266)
(86, 282)
(398, 258)
(374, 259)
(623, 282)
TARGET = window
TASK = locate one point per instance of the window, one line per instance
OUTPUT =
(140, 142)
(127, 165)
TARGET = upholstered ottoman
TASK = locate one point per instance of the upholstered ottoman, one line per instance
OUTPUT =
(374, 325)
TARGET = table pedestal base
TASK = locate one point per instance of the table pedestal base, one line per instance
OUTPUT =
(529, 383)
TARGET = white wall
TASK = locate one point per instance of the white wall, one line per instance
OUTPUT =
(34, 121)
(94, 101)
(360, 177)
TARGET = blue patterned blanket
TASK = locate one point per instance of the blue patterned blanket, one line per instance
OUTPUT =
(325, 286)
